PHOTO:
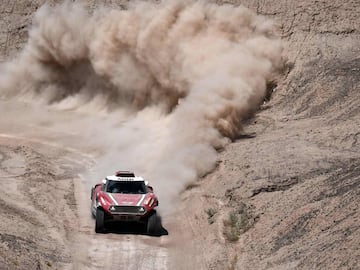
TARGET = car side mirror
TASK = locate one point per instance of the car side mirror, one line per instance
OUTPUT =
(150, 189)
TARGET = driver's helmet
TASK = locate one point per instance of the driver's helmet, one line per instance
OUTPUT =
(115, 190)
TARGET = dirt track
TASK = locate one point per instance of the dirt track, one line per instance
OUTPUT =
(293, 180)
(46, 211)
(38, 194)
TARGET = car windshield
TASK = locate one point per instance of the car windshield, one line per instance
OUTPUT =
(127, 187)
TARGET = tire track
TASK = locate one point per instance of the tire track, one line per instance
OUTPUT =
(114, 251)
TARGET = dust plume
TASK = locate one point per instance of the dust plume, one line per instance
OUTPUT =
(181, 76)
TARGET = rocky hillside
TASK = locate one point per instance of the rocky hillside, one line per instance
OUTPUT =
(290, 193)
(291, 188)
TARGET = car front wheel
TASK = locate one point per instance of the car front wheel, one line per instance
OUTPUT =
(100, 220)
(153, 225)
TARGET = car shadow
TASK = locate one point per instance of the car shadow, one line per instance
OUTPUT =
(118, 227)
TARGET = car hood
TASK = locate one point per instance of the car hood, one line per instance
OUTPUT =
(126, 199)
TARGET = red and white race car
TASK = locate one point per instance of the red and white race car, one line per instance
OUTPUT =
(124, 197)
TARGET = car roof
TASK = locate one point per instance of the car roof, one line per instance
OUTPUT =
(120, 178)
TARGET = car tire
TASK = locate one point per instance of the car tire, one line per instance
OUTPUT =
(93, 211)
(100, 221)
(153, 225)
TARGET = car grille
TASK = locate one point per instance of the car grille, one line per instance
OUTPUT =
(121, 209)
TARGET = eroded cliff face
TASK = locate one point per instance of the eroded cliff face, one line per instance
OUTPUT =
(297, 175)
(285, 196)
(323, 38)
(16, 19)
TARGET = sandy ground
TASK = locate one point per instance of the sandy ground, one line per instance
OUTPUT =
(301, 200)
(284, 197)
(46, 208)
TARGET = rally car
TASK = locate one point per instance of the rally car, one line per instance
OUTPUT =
(124, 197)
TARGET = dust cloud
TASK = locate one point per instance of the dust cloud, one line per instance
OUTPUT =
(180, 76)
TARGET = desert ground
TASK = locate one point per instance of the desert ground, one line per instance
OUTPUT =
(283, 194)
